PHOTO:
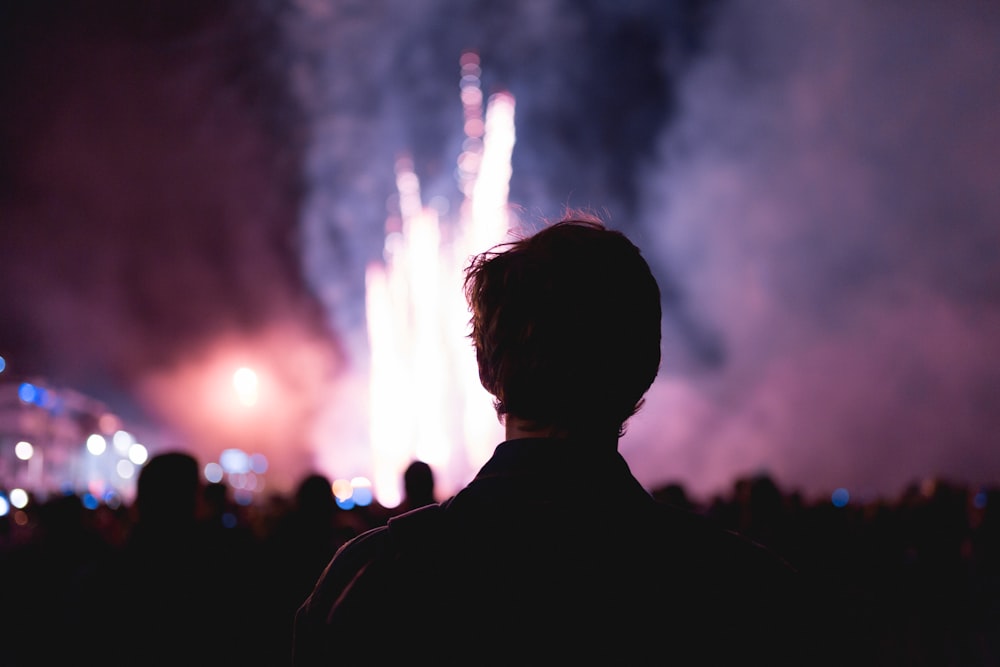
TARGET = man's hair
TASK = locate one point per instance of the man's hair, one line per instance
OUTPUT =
(566, 325)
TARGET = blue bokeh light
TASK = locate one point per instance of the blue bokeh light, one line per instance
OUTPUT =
(979, 500)
(840, 497)
(234, 461)
(27, 392)
(214, 472)
(362, 496)
(258, 463)
(243, 497)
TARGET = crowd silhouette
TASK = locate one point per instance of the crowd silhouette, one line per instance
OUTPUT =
(552, 554)
(192, 577)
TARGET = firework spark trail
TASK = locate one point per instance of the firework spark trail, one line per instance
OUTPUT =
(425, 398)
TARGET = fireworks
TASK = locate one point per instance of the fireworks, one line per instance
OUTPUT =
(425, 398)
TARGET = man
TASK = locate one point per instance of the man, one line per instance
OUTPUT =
(554, 553)
(418, 487)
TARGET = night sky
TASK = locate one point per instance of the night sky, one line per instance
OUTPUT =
(185, 186)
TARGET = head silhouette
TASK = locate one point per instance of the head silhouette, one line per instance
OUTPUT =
(418, 484)
(314, 497)
(168, 489)
(566, 325)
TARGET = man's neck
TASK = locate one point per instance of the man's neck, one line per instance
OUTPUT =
(517, 428)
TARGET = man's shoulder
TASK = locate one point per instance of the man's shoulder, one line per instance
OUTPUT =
(418, 525)
(413, 530)
(717, 534)
(351, 559)
(362, 547)
(671, 542)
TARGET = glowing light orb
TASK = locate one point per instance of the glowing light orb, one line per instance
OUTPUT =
(840, 497)
(122, 441)
(18, 498)
(234, 461)
(342, 489)
(213, 472)
(29, 393)
(258, 463)
(96, 444)
(138, 454)
(125, 469)
(245, 383)
(362, 491)
(23, 450)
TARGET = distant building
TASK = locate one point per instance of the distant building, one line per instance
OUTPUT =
(58, 440)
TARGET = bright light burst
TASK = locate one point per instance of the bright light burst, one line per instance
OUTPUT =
(245, 384)
(425, 398)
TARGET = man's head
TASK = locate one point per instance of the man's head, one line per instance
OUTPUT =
(566, 325)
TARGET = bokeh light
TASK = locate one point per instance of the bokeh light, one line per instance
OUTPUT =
(122, 440)
(234, 461)
(138, 454)
(109, 423)
(96, 444)
(24, 450)
(125, 469)
(213, 472)
(245, 382)
(342, 489)
(112, 499)
(29, 393)
(258, 463)
(979, 500)
(18, 498)
(362, 491)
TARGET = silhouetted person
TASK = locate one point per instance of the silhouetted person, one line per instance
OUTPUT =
(299, 546)
(418, 487)
(37, 581)
(174, 594)
(674, 494)
(310, 533)
(554, 553)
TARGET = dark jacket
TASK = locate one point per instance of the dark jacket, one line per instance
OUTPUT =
(554, 554)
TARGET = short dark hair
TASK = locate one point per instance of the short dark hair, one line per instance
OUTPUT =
(566, 326)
